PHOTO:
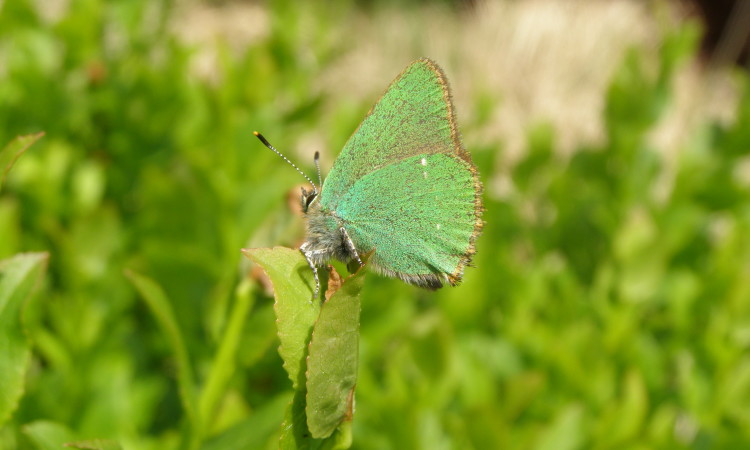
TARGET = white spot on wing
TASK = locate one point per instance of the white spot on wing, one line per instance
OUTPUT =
(424, 162)
(424, 174)
(437, 226)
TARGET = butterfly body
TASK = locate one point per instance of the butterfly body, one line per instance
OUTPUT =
(403, 187)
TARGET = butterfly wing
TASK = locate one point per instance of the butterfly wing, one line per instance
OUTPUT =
(404, 185)
(421, 222)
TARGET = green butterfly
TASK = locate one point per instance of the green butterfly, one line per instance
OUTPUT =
(403, 186)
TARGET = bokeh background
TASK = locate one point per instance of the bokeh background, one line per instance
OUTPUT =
(610, 302)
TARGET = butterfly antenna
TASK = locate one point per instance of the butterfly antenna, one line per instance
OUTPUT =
(273, 149)
(317, 167)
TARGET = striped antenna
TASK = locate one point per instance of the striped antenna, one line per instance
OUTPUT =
(317, 166)
(273, 149)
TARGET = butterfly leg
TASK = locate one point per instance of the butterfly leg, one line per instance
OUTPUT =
(308, 256)
(350, 245)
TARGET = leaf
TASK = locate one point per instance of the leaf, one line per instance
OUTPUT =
(53, 436)
(296, 315)
(18, 275)
(565, 431)
(13, 151)
(295, 434)
(160, 306)
(295, 311)
(253, 432)
(95, 444)
(333, 359)
(47, 435)
(223, 365)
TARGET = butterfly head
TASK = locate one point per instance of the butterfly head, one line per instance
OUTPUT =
(307, 196)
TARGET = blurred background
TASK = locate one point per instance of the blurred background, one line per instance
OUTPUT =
(610, 302)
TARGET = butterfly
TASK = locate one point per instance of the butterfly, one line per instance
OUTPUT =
(403, 188)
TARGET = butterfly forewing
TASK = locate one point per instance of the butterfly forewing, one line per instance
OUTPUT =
(413, 116)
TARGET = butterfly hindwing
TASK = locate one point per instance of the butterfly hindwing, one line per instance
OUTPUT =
(418, 215)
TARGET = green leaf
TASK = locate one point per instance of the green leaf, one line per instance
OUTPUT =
(253, 432)
(565, 431)
(95, 444)
(295, 434)
(48, 435)
(160, 306)
(13, 151)
(18, 275)
(332, 364)
(333, 359)
(295, 311)
(224, 365)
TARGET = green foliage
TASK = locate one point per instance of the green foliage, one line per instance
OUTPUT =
(333, 360)
(161, 308)
(319, 346)
(609, 306)
(13, 151)
(296, 310)
(18, 275)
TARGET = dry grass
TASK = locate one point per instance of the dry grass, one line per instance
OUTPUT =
(542, 60)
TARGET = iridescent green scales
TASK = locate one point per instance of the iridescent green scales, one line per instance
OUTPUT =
(403, 186)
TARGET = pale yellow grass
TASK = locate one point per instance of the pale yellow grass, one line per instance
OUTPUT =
(541, 61)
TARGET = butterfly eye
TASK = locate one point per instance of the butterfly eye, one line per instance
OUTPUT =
(307, 198)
